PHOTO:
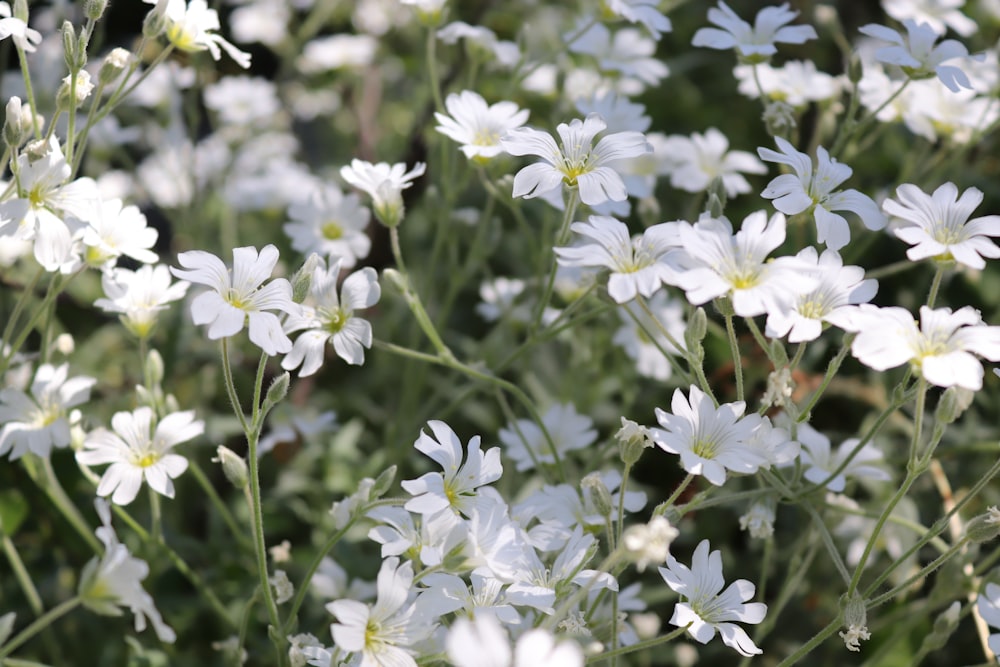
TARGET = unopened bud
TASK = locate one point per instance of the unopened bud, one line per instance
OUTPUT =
(63, 344)
(17, 124)
(724, 305)
(68, 33)
(154, 368)
(944, 626)
(233, 466)
(277, 391)
(94, 9)
(114, 64)
(716, 205)
(396, 278)
(984, 527)
(383, 482)
(21, 10)
(302, 280)
(594, 486)
(154, 23)
(855, 70)
(954, 401)
(697, 327)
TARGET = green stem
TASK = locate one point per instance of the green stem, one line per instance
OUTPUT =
(303, 587)
(155, 519)
(662, 508)
(413, 299)
(561, 238)
(42, 622)
(828, 542)
(53, 489)
(29, 92)
(734, 350)
(432, 73)
(935, 286)
(638, 646)
(671, 359)
(816, 640)
(831, 371)
(23, 578)
(220, 506)
(924, 571)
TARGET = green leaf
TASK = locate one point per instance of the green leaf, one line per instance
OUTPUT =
(13, 511)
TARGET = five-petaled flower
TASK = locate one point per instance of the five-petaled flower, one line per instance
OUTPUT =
(139, 450)
(917, 55)
(940, 226)
(575, 162)
(706, 607)
(752, 43)
(239, 297)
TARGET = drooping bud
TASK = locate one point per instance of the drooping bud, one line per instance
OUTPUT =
(856, 620)
(233, 466)
(114, 64)
(985, 527)
(94, 9)
(302, 280)
(953, 403)
(633, 440)
(383, 482)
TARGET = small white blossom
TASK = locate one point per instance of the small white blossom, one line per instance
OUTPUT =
(695, 162)
(706, 607)
(138, 451)
(139, 296)
(813, 191)
(820, 462)
(525, 443)
(575, 161)
(239, 296)
(939, 224)
(753, 43)
(988, 604)
(40, 421)
(385, 184)
(330, 224)
(326, 317)
(190, 27)
(710, 440)
(637, 263)
(649, 543)
(23, 37)
(917, 54)
(478, 126)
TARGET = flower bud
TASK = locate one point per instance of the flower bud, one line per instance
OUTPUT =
(36, 150)
(383, 482)
(277, 391)
(154, 368)
(984, 527)
(779, 387)
(594, 486)
(17, 124)
(716, 204)
(953, 403)
(94, 9)
(233, 466)
(396, 278)
(302, 280)
(944, 626)
(68, 33)
(114, 64)
(63, 344)
(724, 305)
(855, 71)
(21, 10)
(697, 327)
(154, 23)
(759, 519)
(779, 118)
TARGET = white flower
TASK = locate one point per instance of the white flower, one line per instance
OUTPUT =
(283, 588)
(820, 462)
(575, 162)
(759, 519)
(331, 225)
(116, 580)
(695, 162)
(500, 52)
(329, 318)
(335, 52)
(718, 262)
(628, 52)
(940, 226)
(498, 297)
(645, 12)
(476, 125)
(18, 31)
(939, 14)
(706, 607)
(837, 286)
(637, 264)
(645, 343)
(385, 184)
(988, 604)
(813, 191)
(239, 296)
(917, 55)
(752, 43)
(40, 421)
(525, 443)
(797, 82)
(139, 295)
(189, 28)
(942, 348)
(710, 440)
(383, 633)
(618, 111)
(482, 642)
(243, 101)
(137, 451)
(114, 231)
(49, 211)
(457, 486)
(649, 543)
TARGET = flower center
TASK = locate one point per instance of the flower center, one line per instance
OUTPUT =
(334, 319)
(706, 448)
(946, 234)
(183, 36)
(147, 459)
(486, 136)
(235, 299)
(332, 230)
(812, 310)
